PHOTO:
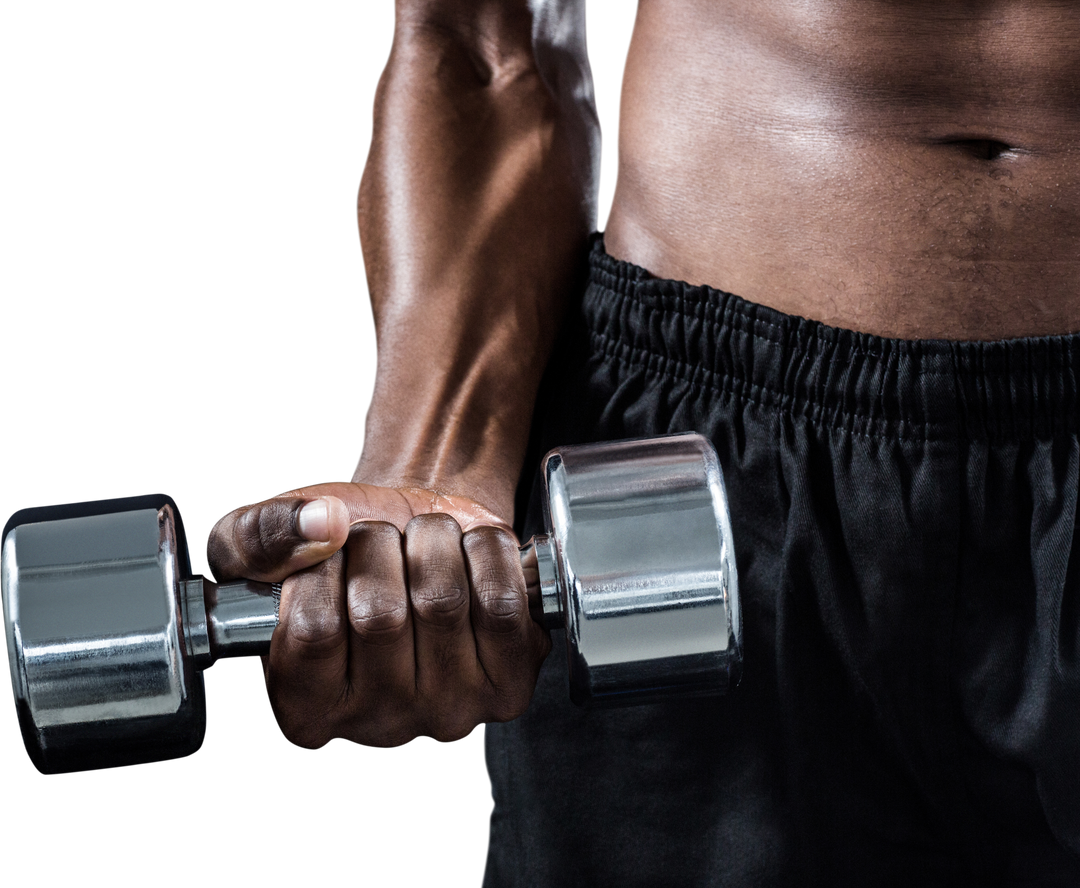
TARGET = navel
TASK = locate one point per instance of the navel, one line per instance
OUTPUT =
(983, 149)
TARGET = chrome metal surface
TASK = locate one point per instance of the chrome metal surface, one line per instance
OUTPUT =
(92, 608)
(541, 570)
(196, 623)
(642, 537)
(106, 635)
(242, 617)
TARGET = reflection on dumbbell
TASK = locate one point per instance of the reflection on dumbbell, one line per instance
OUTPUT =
(108, 632)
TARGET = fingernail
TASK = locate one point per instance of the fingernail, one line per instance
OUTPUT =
(313, 521)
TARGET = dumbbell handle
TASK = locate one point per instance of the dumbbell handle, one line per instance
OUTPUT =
(237, 619)
(228, 619)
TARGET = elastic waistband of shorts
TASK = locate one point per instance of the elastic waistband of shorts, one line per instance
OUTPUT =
(925, 388)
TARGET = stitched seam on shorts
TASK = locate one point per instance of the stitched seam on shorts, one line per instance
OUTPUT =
(747, 392)
(739, 324)
(811, 408)
(739, 317)
(736, 313)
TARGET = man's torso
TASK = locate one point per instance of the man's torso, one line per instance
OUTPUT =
(901, 168)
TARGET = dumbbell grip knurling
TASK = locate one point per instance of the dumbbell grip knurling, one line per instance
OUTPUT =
(237, 619)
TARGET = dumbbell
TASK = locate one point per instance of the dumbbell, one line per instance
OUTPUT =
(108, 632)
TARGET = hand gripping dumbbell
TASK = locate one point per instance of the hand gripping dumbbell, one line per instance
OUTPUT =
(108, 632)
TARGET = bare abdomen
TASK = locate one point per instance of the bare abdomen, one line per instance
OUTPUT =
(904, 169)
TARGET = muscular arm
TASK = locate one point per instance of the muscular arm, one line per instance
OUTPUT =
(474, 208)
(403, 606)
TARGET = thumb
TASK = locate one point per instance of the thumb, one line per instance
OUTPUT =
(276, 538)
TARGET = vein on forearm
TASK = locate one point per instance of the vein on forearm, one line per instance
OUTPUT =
(474, 207)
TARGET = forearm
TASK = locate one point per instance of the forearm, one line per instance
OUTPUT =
(474, 209)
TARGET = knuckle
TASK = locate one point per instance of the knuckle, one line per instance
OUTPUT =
(314, 623)
(377, 622)
(441, 601)
(498, 584)
(500, 609)
(378, 606)
(438, 581)
(498, 542)
(316, 633)
(372, 533)
(375, 559)
(493, 552)
(433, 523)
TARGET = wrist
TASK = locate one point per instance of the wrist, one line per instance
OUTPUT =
(476, 462)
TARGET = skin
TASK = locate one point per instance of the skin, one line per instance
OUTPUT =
(908, 169)
(412, 620)
(902, 167)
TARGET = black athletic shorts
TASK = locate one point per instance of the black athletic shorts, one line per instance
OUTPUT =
(905, 528)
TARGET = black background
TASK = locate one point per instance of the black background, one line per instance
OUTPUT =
(185, 311)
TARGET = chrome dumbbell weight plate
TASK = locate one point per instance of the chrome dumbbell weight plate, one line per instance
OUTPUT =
(108, 632)
(93, 615)
(638, 568)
